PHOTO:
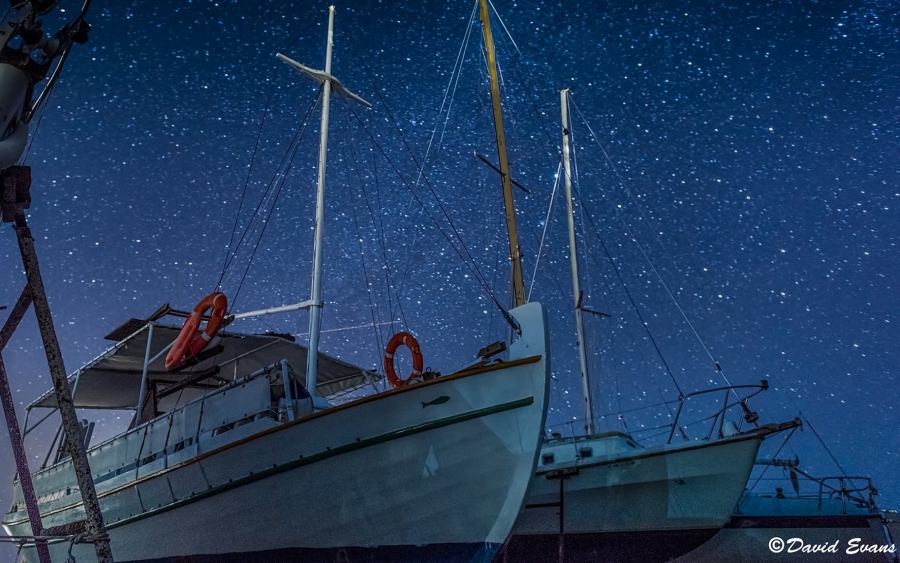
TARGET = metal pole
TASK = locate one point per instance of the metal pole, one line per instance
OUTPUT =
(15, 437)
(140, 403)
(75, 445)
(15, 317)
(562, 519)
(315, 309)
(288, 398)
(573, 258)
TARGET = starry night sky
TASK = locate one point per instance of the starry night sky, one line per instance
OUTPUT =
(753, 153)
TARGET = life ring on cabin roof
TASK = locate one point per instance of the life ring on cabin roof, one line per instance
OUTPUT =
(191, 341)
(408, 340)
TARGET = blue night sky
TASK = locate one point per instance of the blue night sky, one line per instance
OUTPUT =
(754, 153)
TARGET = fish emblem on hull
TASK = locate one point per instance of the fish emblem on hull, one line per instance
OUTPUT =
(439, 401)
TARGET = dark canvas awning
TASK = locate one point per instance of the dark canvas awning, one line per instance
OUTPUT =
(113, 379)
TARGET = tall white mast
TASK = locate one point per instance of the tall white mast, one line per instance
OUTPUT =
(315, 298)
(315, 292)
(573, 258)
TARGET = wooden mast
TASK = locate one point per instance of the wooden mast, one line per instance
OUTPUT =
(515, 256)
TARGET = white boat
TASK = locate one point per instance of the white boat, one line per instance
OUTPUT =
(235, 453)
(604, 497)
(837, 517)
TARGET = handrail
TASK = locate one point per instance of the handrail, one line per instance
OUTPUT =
(845, 492)
(567, 429)
(749, 415)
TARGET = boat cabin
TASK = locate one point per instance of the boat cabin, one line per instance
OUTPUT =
(238, 386)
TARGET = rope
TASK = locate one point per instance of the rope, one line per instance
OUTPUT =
(528, 78)
(254, 216)
(583, 214)
(388, 275)
(677, 304)
(454, 74)
(453, 84)
(821, 441)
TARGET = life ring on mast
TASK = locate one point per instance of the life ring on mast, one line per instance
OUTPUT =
(408, 340)
(191, 341)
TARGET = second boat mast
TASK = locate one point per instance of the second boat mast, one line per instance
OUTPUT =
(573, 258)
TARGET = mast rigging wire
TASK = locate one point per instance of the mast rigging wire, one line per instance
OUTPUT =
(450, 92)
(470, 264)
(388, 273)
(262, 123)
(383, 247)
(277, 183)
(362, 256)
(684, 315)
(544, 234)
(468, 259)
(652, 265)
(583, 213)
(630, 297)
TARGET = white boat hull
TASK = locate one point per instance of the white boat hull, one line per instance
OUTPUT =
(650, 505)
(747, 540)
(433, 472)
(780, 528)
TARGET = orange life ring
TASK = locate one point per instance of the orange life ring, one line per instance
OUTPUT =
(408, 340)
(190, 340)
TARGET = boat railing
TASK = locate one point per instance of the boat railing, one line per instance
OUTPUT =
(718, 418)
(175, 436)
(847, 488)
(731, 399)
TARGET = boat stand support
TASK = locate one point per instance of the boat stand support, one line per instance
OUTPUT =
(15, 436)
(16, 185)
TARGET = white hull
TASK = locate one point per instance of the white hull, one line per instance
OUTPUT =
(751, 544)
(613, 505)
(829, 523)
(694, 485)
(396, 470)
